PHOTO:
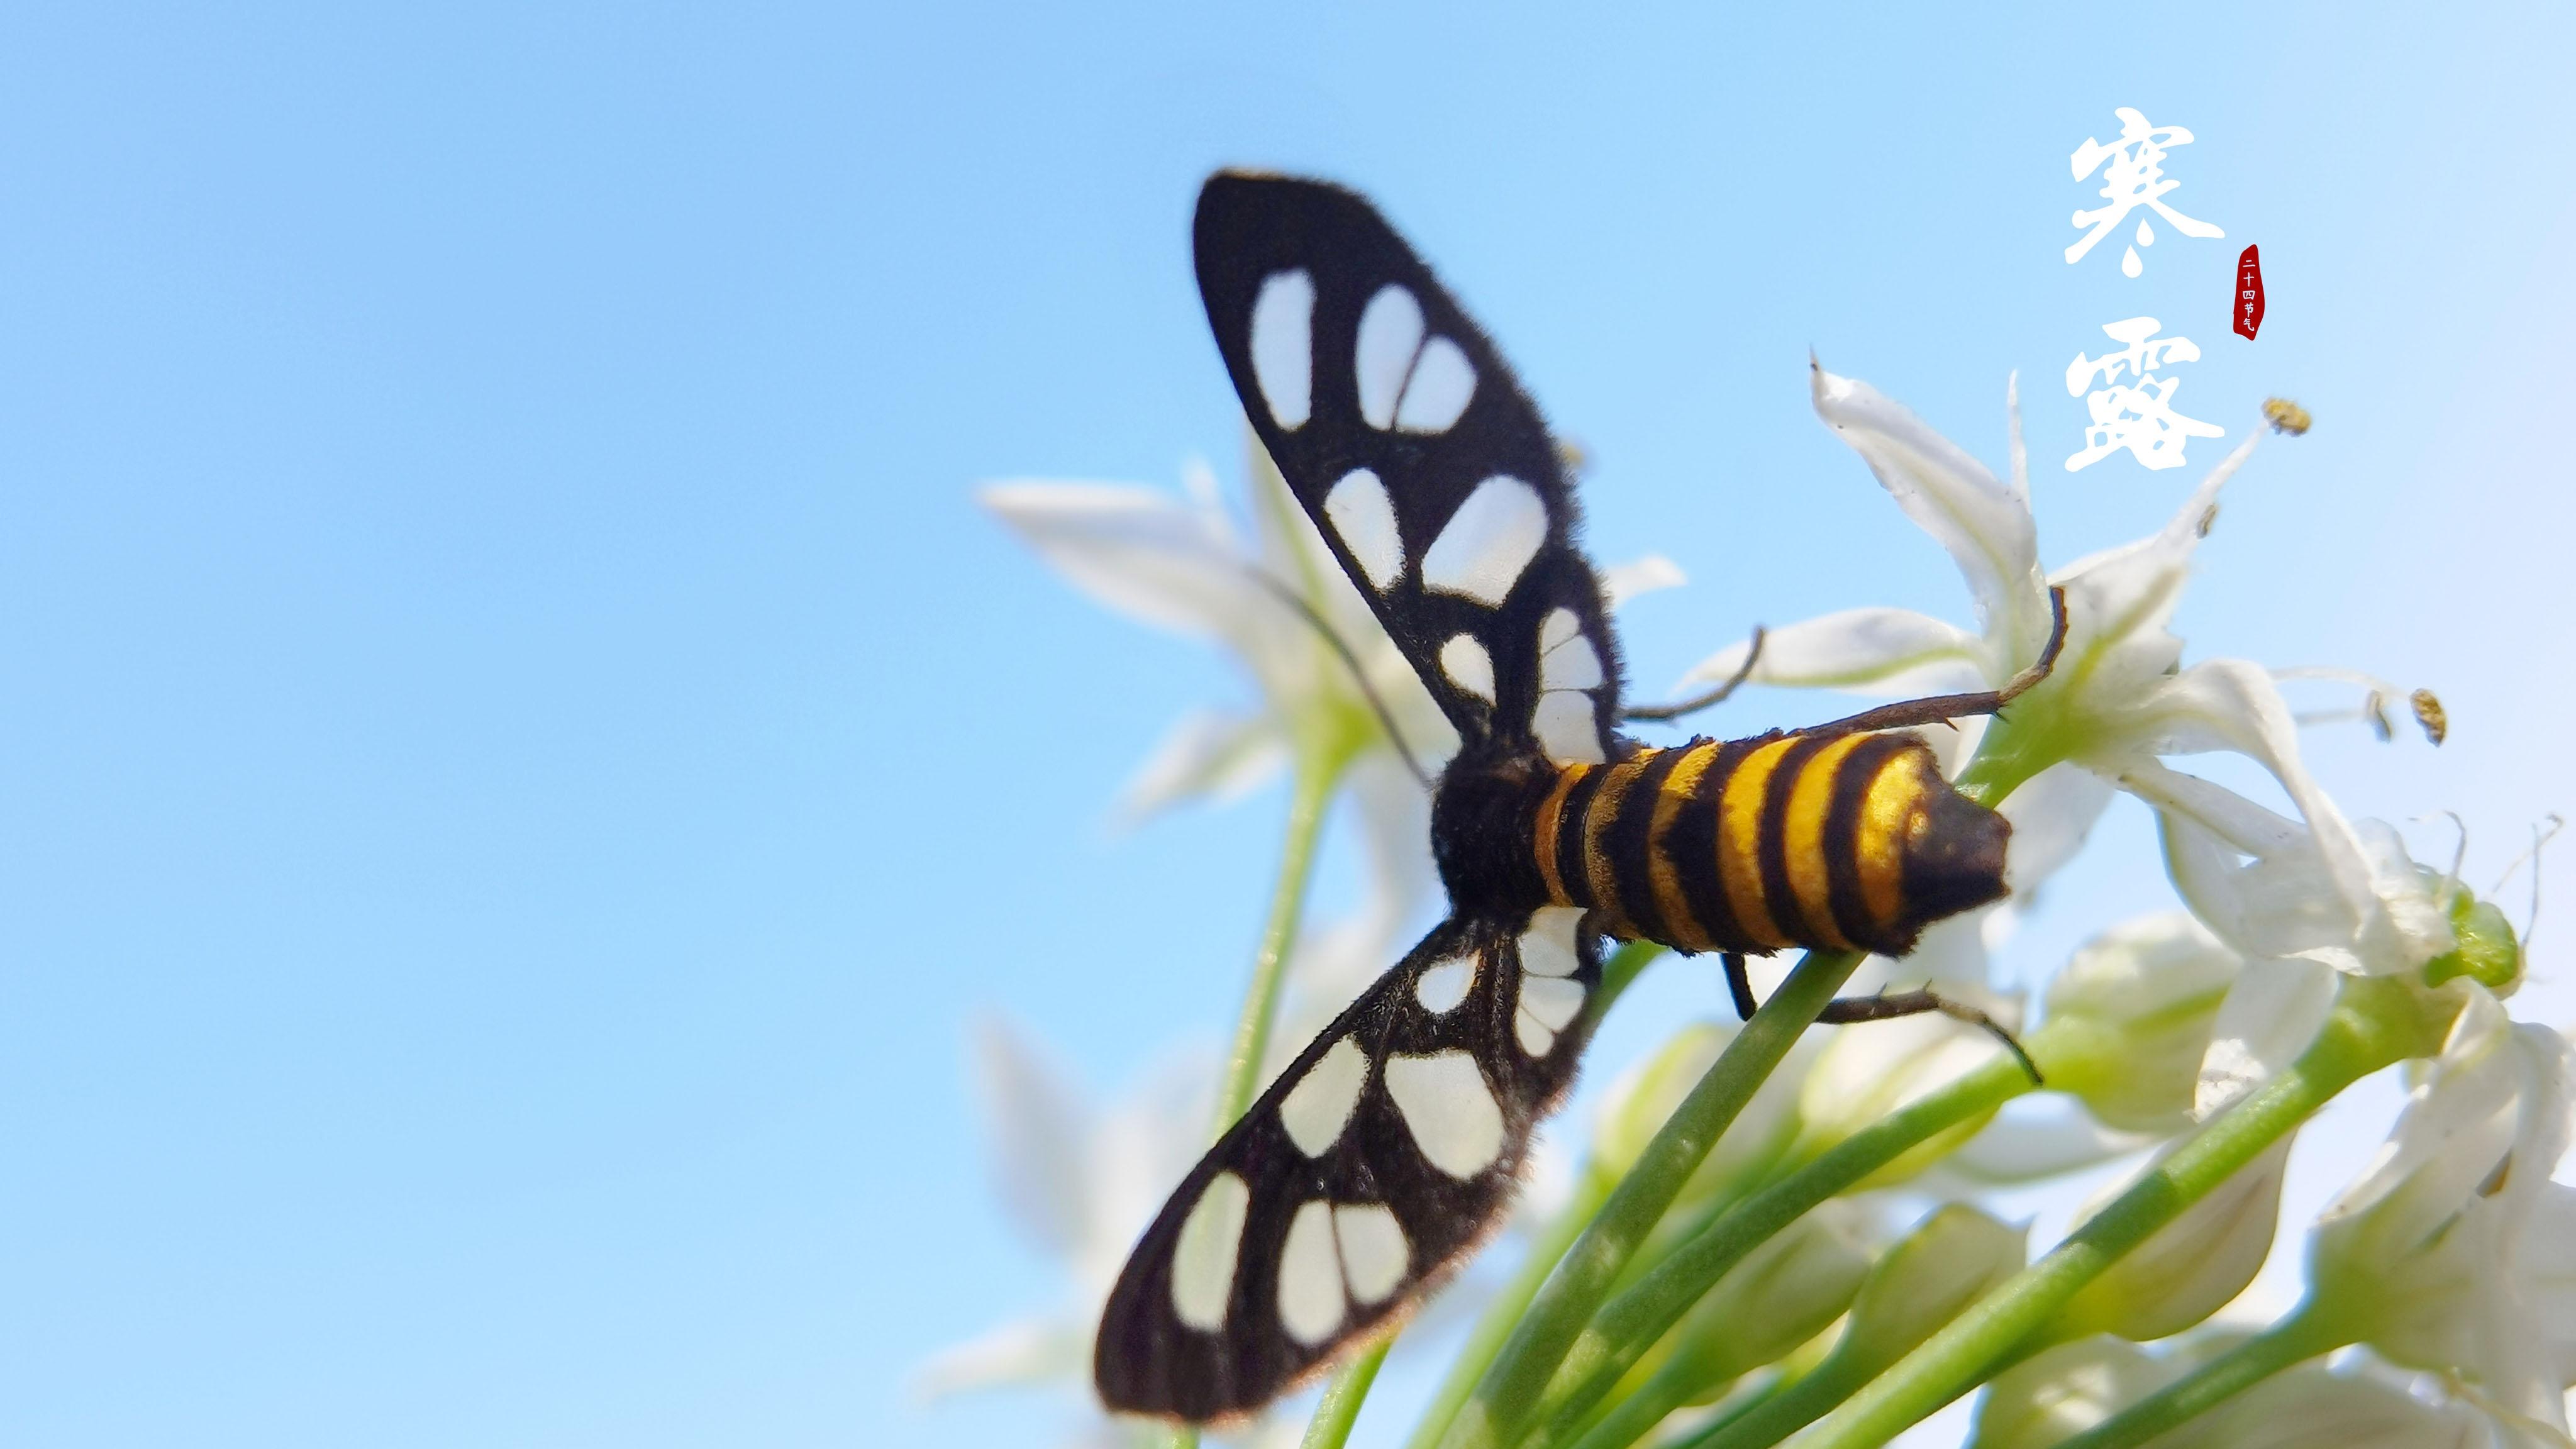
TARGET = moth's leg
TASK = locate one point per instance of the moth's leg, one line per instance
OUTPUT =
(1944, 707)
(1886, 1007)
(1883, 1007)
(1738, 984)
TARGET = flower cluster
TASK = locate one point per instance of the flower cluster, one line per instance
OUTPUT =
(1815, 1261)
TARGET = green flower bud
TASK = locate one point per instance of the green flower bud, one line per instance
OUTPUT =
(2129, 1020)
(2055, 1395)
(1784, 1293)
(1957, 1256)
(2189, 1268)
(2488, 952)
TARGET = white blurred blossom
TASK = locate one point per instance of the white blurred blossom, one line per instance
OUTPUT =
(2119, 701)
(1080, 1182)
(2455, 1251)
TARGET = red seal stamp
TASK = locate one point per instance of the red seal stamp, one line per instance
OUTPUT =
(2247, 304)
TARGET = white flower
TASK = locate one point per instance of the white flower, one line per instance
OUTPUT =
(2317, 889)
(2189, 1268)
(2130, 1017)
(2060, 1392)
(2455, 1251)
(1180, 563)
(1644, 1096)
(1866, 1072)
(1956, 1256)
(1080, 1184)
(1782, 1294)
(2316, 1407)
(2065, 1390)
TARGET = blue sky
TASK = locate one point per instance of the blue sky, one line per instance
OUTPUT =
(522, 757)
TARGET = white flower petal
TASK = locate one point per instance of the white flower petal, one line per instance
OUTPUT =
(1882, 650)
(2050, 1138)
(1212, 753)
(1141, 552)
(1983, 524)
(1621, 583)
(1035, 1127)
(2270, 1015)
(1023, 1351)
(2051, 814)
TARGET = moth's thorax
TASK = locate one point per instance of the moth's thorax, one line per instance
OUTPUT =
(1480, 827)
(1832, 840)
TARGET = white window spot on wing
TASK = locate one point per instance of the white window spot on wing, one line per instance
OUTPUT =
(1390, 335)
(1559, 626)
(1449, 1109)
(1566, 729)
(1283, 346)
(1568, 665)
(1547, 947)
(1534, 1036)
(1203, 1258)
(1441, 988)
(1364, 516)
(1319, 1106)
(1552, 999)
(1374, 1255)
(1310, 1276)
(1443, 382)
(1468, 666)
(1573, 664)
(1484, 546)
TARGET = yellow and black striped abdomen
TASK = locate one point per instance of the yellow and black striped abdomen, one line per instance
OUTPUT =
(1820, 840)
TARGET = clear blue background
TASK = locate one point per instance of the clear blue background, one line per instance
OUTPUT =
(519, 757)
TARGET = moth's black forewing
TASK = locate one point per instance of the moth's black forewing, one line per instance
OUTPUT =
(1147, 1361)
(1250, 228)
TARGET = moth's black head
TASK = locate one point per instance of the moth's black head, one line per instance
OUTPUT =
(1954, 859)
(1480, 827)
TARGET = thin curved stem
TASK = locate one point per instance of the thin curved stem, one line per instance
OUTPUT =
(1318, 772)
(1511, 1388)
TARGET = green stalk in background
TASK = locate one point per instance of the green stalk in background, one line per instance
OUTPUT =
(2296, 1339)
(1630, 1324)
(2375, 1023)
(1504, 1312)
(1320, 765)
(1511, 1388)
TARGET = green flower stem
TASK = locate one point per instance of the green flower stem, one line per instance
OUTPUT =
(1320, 763)
(1556, 1320)
(2374, 1024)
(1793, 1408)
(1630, 1324)
(1503, 1314)
(1751, 1404)
(2302, 1336)
(1623, 967)
(1343, 1396)
(1635, 1415)
(1319, 770)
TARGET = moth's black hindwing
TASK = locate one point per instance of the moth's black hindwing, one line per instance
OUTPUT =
(1360, 1179)
(1411, 445)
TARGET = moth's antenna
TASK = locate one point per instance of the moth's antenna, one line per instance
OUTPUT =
(1699, 702)
(1385, 717)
